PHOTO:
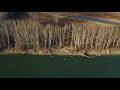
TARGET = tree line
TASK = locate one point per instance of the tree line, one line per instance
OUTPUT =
(30, 34)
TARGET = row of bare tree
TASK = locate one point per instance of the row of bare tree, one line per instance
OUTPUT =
(30, 34)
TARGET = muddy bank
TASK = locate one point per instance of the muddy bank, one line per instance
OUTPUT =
(113, 51)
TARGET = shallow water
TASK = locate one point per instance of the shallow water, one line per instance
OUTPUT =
(31, 66)
(93, 19)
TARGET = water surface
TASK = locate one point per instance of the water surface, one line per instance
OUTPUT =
(94, 19)
(31, 66)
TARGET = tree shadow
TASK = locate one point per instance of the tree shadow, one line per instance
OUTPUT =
(17, 15)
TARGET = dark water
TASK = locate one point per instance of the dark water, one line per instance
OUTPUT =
(93, 19)
(59, 66)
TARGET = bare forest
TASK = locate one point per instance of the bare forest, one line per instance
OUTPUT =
(27, 33)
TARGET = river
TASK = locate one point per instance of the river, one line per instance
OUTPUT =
(93, 19)
(33, 66)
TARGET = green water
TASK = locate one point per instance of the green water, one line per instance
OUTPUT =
(31, 66)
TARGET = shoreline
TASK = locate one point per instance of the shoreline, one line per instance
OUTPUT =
(113, 51)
